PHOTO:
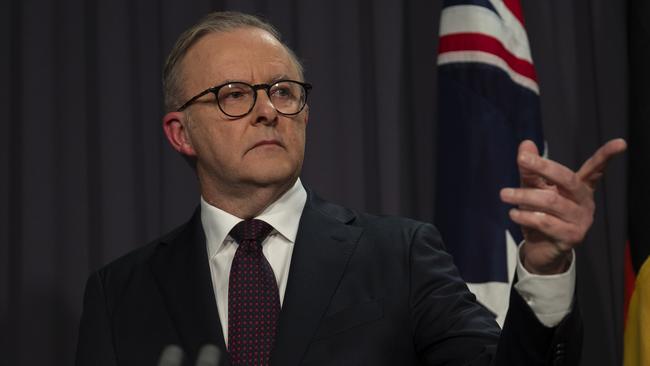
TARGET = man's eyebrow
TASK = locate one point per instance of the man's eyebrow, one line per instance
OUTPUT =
(272, 80)
(229, 81)
(278, 77)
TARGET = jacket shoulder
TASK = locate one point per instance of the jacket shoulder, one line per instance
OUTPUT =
(141, 253)
(386, 226)
(121, 270)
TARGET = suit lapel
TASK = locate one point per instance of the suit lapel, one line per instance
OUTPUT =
(323, 247)
(180, 267)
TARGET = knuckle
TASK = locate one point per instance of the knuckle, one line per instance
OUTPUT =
(591, 207)
(578, 236)
(551, 198)
(577, 233)
(585, 217)
(543, 222)
(573, 182)
(574, 234)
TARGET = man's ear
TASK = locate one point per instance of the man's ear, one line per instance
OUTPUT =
(175, 127)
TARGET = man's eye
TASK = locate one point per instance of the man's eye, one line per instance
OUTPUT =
(282, 93)
(235, 95)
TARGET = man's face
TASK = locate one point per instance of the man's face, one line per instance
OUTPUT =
(262, 148)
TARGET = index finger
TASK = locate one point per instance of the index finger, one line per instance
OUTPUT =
(592, 169)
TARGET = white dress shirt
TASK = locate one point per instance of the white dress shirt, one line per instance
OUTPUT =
(550, 297)
(283, 215)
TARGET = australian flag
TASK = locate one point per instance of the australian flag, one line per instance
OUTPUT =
(488, 104)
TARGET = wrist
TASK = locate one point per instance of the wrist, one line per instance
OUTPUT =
(538, 264)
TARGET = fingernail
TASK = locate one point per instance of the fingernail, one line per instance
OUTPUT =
(514, 212)
(508, 192)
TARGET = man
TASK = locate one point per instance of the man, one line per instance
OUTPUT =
(270, 273)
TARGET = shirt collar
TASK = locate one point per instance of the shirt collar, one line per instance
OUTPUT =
(283, 214)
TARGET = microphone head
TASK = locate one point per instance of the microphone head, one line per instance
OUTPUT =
(172, 355)
(209, 355)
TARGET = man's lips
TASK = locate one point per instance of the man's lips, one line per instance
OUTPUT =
(266, 142)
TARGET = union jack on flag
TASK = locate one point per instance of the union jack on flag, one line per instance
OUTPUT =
(488, 104)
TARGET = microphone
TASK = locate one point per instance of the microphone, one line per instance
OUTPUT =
(172, 355)
(209, 355)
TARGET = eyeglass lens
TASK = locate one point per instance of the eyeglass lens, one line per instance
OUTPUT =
(236, 99)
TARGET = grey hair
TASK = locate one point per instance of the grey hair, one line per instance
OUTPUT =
(211, 23)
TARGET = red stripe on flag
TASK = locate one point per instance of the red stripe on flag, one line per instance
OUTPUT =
(481, 42)
(630, 278)
(515, 8)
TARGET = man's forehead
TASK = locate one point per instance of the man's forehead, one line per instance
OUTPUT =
(238, 54)
(239, 38)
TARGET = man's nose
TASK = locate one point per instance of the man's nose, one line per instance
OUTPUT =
(264, 109)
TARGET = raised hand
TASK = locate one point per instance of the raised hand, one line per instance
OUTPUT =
(555, 205)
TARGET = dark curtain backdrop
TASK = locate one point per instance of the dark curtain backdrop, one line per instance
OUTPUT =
(86, 175)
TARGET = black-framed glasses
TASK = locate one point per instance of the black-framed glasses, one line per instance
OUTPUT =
(236, 99)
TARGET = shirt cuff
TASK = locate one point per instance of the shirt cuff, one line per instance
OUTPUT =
(549, 296)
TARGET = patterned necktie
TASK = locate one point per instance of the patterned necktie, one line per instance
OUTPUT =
(253, 297)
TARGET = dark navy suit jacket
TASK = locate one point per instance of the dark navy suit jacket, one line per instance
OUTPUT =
(362, 290)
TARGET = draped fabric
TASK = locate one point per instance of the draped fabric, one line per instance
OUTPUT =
(86, 175)
(636, 350)
(488, 103)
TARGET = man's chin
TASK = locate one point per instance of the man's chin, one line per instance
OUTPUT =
(271, 174)
(269, 180)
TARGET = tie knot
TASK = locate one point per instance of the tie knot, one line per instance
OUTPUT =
(251, 230)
